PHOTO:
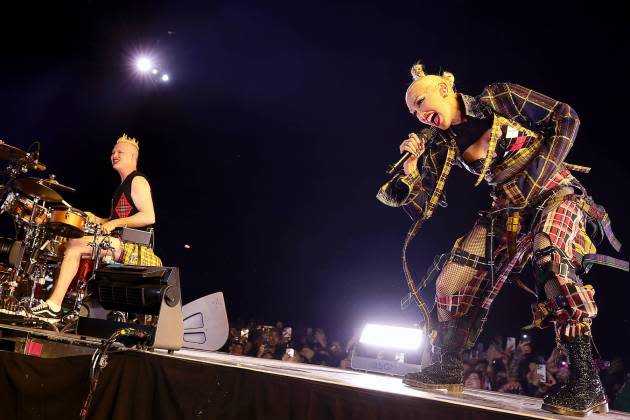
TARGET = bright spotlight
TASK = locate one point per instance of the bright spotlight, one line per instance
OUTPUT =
(165, 78)
(388, 349)
(144, 64)
(391, 337)
(154, 71)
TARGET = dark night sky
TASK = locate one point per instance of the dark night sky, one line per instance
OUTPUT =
(267, 148)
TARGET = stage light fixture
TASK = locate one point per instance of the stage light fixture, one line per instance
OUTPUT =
(391, 337)
(388, 349)
(165, 78)
(154, 71)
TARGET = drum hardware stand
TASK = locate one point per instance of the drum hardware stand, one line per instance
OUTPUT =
(23, 165)
(12, 170)
(97, 246)
(9, 302)
(33, 239)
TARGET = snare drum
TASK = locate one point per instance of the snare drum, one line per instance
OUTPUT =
(22, 207)
(67, 222)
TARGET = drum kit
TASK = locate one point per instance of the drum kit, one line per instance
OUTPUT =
(44, 222)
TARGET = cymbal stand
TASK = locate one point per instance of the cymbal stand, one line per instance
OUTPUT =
(34, 231)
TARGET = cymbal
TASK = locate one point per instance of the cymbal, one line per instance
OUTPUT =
(53, 183)
(36, 188)
(12, 153)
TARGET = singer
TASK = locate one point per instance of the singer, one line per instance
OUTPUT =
(132, 206)
(516, 140)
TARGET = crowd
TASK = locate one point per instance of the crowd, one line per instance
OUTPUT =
(503, 365)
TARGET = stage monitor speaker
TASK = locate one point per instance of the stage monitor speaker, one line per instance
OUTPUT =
(139, 290)
(205, 323)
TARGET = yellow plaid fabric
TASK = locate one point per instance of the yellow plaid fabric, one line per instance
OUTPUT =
(556, 122)
(135, 254)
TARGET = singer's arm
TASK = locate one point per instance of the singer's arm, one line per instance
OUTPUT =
(412, 191)
(402, 189)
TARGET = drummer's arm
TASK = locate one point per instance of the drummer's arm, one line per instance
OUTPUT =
(95, 219)
(141, 196)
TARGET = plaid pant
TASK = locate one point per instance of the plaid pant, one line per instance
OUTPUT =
(572, 305)
(563, 223)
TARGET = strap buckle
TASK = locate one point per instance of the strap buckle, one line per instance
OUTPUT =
(563, 270)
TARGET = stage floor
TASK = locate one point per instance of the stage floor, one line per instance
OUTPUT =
(475, 399)
(356, 386)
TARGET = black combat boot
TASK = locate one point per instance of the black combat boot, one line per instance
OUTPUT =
(584, 392)
(447, 372)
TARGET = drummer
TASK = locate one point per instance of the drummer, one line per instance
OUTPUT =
(132, 206)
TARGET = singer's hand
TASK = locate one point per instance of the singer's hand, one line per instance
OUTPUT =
(415, 146)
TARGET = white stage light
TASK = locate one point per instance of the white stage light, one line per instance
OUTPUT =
(391, 337)
(144, 64)
(388, 349)
(154, 71)
(165, 78)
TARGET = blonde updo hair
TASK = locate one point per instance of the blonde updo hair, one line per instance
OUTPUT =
(417, 73)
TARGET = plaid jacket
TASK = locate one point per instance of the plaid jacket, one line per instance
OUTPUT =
(531, 135)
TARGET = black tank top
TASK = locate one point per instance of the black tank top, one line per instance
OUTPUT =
(122, 202)
(469, 132)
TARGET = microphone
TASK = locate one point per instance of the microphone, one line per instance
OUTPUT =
(35, 164)
(425, 134)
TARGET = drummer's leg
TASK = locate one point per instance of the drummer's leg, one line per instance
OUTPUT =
(69, 267)
(51, 309)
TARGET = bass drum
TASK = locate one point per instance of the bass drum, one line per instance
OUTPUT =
(10, 251)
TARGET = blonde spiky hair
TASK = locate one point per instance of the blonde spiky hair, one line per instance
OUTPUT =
(417, 73)
(129, 140)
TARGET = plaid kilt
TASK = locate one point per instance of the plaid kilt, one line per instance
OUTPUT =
(136, 254)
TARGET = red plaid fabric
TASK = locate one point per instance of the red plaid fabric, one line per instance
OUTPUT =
(562, 177)
(566, 227)
(460, 303)
(123, 208)
(564, 223)
(581, 300)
